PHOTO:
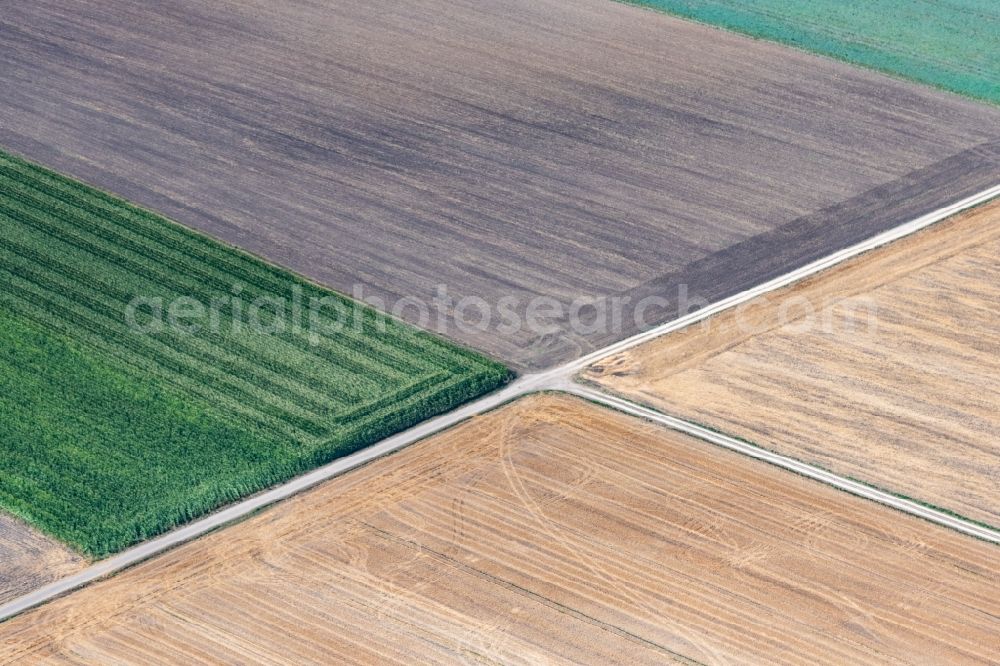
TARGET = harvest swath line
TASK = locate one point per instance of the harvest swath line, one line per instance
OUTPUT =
(558, 379)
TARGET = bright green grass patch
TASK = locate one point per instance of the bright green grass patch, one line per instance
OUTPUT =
(109, 436)
(951, 44)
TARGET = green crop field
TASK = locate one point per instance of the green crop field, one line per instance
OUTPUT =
(951, 45)
(118, 421)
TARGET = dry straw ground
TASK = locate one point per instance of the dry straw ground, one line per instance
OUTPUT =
(909, 405)
(29, 560)
(550, 529)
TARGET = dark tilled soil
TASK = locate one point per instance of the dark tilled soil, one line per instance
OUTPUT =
(571, 149)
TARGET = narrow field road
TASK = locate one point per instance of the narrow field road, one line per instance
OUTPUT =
(557, 379)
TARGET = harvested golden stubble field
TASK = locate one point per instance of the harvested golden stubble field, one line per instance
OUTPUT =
(29, 559)
(548, 530)
(894, 380)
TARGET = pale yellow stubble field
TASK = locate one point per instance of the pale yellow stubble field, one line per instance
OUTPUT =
(548, 531)
(894, 380)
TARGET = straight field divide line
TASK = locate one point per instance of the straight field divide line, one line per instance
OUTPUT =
(808, 270)
(235, 512)
(816, 473)
(559, 379)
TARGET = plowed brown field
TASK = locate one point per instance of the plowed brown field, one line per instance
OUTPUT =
(908, 403)
(550, 529)
(29, 559)
(565, 149)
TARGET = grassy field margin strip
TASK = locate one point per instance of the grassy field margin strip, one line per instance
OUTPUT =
(951, 45)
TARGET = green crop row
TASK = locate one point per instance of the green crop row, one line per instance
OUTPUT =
(110, 435)
(106, 215)
(172, 271)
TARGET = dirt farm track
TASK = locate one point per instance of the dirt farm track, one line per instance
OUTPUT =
(548, 530)
(906, 401)
(580, 149)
